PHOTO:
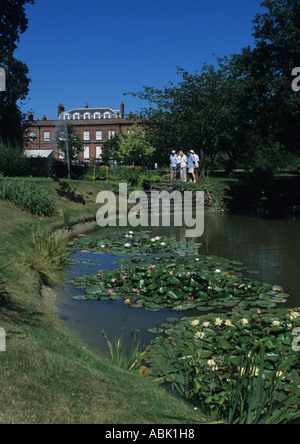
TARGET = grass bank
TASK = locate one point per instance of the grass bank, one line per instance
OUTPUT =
(47, 375)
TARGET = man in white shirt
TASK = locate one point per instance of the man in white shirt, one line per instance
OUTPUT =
(173, 166)
(183, 166)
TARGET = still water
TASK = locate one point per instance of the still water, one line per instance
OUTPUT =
(270, 247)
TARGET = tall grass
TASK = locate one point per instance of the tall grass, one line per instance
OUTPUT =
(49, 256)
(27, 196)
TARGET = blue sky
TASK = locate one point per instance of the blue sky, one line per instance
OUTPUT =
(94, 51)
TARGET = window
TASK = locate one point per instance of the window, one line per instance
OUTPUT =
(87, 116)
(106, 115)
(32, 136)
(97, 116)
(111, 135)
(98, 135)
(86, 135)
(86, 153)
(66, 116)
(76, 116)
(98, 152)
(46, 136)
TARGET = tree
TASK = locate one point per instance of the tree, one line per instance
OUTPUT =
(13, 22)
(133, 147)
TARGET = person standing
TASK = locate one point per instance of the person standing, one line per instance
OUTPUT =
(183, 165)
(196, 165)
(191, 166)
(173, 166)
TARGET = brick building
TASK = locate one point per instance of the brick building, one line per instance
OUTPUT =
(94, 126)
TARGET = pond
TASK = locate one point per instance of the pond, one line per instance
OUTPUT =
(270, 247)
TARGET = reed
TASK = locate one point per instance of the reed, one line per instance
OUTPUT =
(49, 256)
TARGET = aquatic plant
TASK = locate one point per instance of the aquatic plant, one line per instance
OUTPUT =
(170, 274)
(204, 357)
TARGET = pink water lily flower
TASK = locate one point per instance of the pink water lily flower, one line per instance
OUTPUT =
(136, 290)
(124, 278)
(152, 267)
(190, 298)
(114, 280)
(100, 274)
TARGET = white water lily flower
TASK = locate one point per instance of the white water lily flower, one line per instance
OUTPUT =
(199, 335)
(131, 233)
(102, 246)
(206, 324)
(195, 323)
(276, 323)
(163, 244)
(294, 315)
(244, 321)
(153, 240)
(218, 270)
(127, 245)
(218, 322)
(157, 238)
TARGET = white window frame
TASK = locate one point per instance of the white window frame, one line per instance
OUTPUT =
(47, 136)
(86, 135)
(87, 116)
(99, 135)
(107, 115)
(111, 134)
(76, 116)
(97, 116)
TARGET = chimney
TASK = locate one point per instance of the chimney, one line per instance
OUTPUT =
(30, 116)
(122, 110)
(86, 106)
(44, 117)
(61, 109)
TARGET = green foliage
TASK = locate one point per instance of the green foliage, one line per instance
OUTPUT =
(118, 353)
(13, 22)
(27, 196)
(133, 147)
(49, 257)
(13, 162)
(156, 276)
(205, 357)
(69, 142)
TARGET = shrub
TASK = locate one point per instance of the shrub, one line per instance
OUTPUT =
(13, 161)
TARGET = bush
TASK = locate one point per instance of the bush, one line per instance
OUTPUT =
(13, 161)
(27, 196)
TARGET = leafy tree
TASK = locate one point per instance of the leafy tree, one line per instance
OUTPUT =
(13, 22)
(133, 146)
